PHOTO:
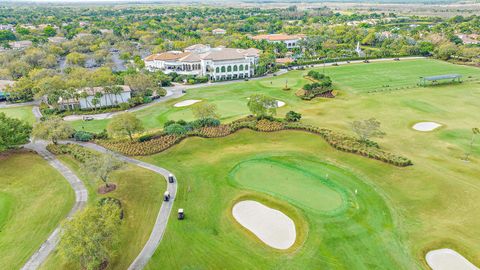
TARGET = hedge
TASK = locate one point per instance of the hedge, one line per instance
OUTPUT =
(337, 140)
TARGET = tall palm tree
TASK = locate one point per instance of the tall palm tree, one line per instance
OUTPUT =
(117, 90)
(85, 96)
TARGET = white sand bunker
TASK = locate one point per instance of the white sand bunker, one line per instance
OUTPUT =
(280, 103)
(273, 227)
(426, 126)
(448, 259)
(186, 103)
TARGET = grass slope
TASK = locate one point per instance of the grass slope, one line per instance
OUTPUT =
(140, 192)
(34, 198)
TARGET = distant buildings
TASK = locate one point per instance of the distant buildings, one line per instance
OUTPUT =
(9, 27)
(20, 45)
(56, 40)
(219, 31)
(291, 41)
(284, 61)
(86, 96)
(469, 39)
(218, 63)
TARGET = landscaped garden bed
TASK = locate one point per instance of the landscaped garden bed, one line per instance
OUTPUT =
(159, 142)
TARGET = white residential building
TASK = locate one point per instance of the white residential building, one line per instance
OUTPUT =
(7, 27)
(219, 31)
(218, 63)
(56, 40)
(291, 41)
(85, 97)
(19, 45)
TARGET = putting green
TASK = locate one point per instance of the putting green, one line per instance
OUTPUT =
(290, 182)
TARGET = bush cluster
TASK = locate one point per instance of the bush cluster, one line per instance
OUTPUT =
(137, 148)
(76, 151)
(182, 127)
(83, 136)
(320, 87)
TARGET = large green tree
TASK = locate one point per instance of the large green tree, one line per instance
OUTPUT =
(13, 132)
(125, 124)
(52, 129)
(101, 166)
(367, 129)
(87, 239)
(205, 110)
(261, 105)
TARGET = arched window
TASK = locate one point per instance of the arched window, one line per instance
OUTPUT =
(229, 69)
(223, 68)
(235, 68)
(246, 67)
(241, 67)
(217, 70)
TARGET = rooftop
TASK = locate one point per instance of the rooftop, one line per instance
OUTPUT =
(278, 37)
(216, 54)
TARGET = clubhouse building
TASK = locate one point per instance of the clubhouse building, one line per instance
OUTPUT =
(217, 64)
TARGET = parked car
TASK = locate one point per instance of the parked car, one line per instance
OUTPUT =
(87, 118)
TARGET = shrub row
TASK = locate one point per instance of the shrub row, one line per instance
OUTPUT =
(137, 148)
(337, 140)
(76, 151)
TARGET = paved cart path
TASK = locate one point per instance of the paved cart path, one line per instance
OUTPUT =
(81, 198)
(162, 218)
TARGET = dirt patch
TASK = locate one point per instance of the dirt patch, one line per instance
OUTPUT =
(104, 189)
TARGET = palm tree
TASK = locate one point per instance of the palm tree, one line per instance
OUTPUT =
(95, 102)
(85, 96)
(117, 90)
(98, 96)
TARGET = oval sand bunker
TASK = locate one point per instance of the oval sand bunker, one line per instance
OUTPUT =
(448, 259)
(426, 126)
(280, 103)
(271, 226)
(186, 103)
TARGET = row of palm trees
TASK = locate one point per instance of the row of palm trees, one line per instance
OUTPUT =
(109, 93)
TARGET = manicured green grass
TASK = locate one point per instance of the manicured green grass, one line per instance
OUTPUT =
(294, 184)
(140, 192)
(361, 78)
(22, 113)
(364, 234)
(34, 198)
(351, 79)
(429, 205)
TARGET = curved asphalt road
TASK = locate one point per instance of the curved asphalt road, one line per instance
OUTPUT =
(81, 197)
(163, 215)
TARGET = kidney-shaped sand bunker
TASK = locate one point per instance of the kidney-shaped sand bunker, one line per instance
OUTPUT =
(271, 226)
